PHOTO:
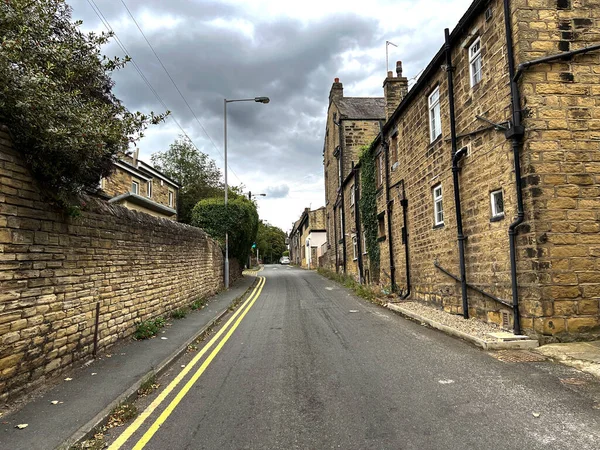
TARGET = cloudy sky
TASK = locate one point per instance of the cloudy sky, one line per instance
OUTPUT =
(289, 51)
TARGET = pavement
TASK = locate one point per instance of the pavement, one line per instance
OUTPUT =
(584, 356)
(100, 385)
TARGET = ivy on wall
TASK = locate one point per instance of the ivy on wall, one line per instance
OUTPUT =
(368, 207)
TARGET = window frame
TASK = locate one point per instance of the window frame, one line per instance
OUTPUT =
(438, 205)
(135, 187)
(364, 236)
(473, 59)
(496, 214)
(435, 115)
(149, 188)
(171, 198)
(352, 195)
(354, 247)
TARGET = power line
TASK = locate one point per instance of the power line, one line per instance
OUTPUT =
(107, 25)
(174, 83)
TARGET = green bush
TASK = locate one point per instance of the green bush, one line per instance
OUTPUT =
(362, 290)
(179, 313)
(56, 98)
(239, 219)
(368, 207)
(198, 304)
(148, 328)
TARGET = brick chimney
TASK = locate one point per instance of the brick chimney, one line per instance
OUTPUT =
(337, 90)
(394, 90)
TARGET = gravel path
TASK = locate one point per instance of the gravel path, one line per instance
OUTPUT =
(474, 327)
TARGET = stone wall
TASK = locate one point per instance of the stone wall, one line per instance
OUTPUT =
(54, 269)
(561, 163)
(558, 243)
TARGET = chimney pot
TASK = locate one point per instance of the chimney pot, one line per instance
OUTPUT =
(336, 80)
(390, 74)
(398, 68)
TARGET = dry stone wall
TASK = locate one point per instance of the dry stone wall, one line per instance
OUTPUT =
(55, 269)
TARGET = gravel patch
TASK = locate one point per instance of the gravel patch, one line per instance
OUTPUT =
(473, 327)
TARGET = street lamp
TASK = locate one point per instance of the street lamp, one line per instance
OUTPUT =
(225, 101)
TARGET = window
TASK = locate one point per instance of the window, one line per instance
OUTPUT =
(381, 226)
(364, 242)
(354, 248)
(352, 195)
(341, 226)
(394, 148)
(497, 200)
(435, 121)
(171, 195)
(475, 62)
(380, 170)
(135, 187)
(149, 188)
(438, 206)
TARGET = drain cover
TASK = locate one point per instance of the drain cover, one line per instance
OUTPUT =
(516, 356)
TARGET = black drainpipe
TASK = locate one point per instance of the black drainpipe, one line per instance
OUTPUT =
(357, 224)
(388, 204)
(456, 156)
(515, 134)
(404, 203)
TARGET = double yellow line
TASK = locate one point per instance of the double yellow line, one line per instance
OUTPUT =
(241, 312)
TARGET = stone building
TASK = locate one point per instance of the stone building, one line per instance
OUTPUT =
(139, 186)
(352, 123)
(308, 238)
(488, 171)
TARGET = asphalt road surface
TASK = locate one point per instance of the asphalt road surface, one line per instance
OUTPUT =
(306, 365)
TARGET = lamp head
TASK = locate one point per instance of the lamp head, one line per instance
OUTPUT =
(262, 99)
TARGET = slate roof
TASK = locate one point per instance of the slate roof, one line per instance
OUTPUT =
(362, 107)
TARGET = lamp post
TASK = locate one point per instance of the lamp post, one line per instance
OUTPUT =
(225, 101)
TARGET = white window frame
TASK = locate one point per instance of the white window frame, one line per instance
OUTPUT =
(364, 236)
(435, 119)
(495, 212)
(475, 62)
(171, 198)
(438, 205)
(149, 188)
(352, 194)
(135, 187)
(341, 226)
(354, 248)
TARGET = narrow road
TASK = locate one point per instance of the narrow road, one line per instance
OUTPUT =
(310, 366)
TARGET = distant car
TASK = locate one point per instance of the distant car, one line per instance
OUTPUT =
(284, 260)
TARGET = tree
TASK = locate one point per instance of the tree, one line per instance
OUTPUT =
(195, 171)
(239, 218)
(56, 97)
(270, 241)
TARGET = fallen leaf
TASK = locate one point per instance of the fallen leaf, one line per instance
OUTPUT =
(54, 402)
(22, 425)
(68, 379)
(536, 414)
(109, 356)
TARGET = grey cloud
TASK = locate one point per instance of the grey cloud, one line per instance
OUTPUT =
(280, 191)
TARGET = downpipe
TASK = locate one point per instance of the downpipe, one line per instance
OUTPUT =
(404, 203)
(456, 156)
(515, 134)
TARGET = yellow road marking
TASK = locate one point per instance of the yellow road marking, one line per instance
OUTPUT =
(173, 384)
(165, 414)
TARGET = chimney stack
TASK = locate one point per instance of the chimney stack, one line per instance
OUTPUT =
(394, 90)
(337, 91)
(136, 154)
